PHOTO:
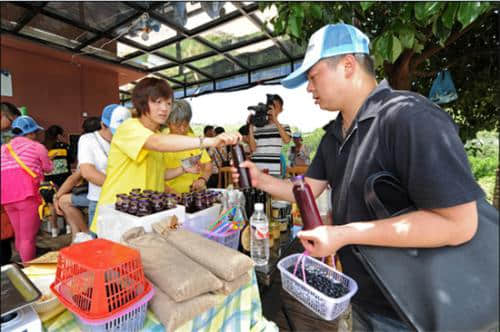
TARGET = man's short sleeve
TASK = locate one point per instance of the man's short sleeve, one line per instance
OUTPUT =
(86, 148)
(130, 138)
(317, 169)
(430, 159)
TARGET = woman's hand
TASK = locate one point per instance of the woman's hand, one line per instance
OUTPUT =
(198, 184)
(195, 169)
(224, 139)
(321, 241)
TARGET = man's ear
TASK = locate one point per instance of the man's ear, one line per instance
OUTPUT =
(349, 65)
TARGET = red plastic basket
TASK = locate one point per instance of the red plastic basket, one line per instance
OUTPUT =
(98, 278)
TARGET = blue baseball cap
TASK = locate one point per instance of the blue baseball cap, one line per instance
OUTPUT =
(297, 134)
(113, 115)
(330, 40)
(25, 124)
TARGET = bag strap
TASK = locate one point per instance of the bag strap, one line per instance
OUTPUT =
(100, 144)
(20, 162)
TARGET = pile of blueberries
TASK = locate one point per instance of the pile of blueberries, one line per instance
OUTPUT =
(319, 280)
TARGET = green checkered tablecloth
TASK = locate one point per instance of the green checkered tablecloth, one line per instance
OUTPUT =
(240, 311)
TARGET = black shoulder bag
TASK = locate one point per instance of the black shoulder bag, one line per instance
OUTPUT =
(437, 289)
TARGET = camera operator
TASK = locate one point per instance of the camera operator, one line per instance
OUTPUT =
(267, 138)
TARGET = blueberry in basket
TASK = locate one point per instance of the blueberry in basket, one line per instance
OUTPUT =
(319, 280)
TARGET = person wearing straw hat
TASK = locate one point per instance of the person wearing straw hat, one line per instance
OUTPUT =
(377, 129)
(23, 161)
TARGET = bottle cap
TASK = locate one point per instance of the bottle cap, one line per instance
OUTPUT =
(259, 207)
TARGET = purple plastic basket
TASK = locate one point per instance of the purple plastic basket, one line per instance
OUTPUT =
(131, 319)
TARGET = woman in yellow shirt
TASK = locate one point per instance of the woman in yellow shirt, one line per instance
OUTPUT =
(136, 156)
(180, 176)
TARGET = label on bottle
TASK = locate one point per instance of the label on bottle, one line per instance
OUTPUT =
(261, 232)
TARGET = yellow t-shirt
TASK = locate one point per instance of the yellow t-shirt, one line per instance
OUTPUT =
(130, 165)
(173, 160)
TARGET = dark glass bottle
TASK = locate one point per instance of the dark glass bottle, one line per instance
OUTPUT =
(238, 155)
(306, 202)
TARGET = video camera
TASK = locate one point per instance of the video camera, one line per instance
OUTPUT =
(261, 117)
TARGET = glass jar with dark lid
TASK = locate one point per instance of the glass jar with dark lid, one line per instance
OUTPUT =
(118, 202)
(135, 191)
(133, 206)
(158, 204)
(171, 201)
(144, 207)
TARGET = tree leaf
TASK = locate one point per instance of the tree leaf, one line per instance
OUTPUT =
(395, 49)
(418, 48)
(316, 10)
(407, 37)
(381, 46)
(448, 17)
(468, 12)
(294, 26)
(440, 31)
(424, 10)
(366, 4)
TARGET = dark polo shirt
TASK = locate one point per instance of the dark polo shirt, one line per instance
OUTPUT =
(403, 133)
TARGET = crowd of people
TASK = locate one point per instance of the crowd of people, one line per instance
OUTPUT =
(377, 129)
(156, 149)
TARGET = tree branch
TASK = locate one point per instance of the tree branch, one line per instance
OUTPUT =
(433, 50)
(457, 61)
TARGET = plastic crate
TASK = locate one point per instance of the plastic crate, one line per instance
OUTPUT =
(131, 319)
(324, 306)
(201, 225)
(112, 224)
(98, 278)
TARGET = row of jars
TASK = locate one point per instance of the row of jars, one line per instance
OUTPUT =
(141, 203)
(197, 201)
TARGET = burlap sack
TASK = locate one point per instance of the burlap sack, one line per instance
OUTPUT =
(224, 262)
(173, 272)
(173, 314)
(230, 286)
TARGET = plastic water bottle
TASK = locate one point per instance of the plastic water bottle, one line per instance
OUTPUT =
(259, 243)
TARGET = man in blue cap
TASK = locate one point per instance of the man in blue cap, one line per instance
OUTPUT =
(377, 129)
(93, 150)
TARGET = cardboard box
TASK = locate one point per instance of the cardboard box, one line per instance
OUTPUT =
(112, 223)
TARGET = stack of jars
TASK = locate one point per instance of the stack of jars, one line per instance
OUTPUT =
(142, 203)
(200, 200)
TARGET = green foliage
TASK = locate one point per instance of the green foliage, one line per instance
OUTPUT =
(391, 22)
(482, 152)
(430, 32)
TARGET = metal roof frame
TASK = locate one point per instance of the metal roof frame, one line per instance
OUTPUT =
(242, 10)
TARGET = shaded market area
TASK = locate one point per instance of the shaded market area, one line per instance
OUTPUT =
(249, 166)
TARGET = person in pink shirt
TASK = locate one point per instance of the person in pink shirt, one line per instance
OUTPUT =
(19, 189)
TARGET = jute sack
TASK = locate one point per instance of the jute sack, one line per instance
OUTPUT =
(230, 286)
(224, 262)
(173, 272)
(173, 314)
